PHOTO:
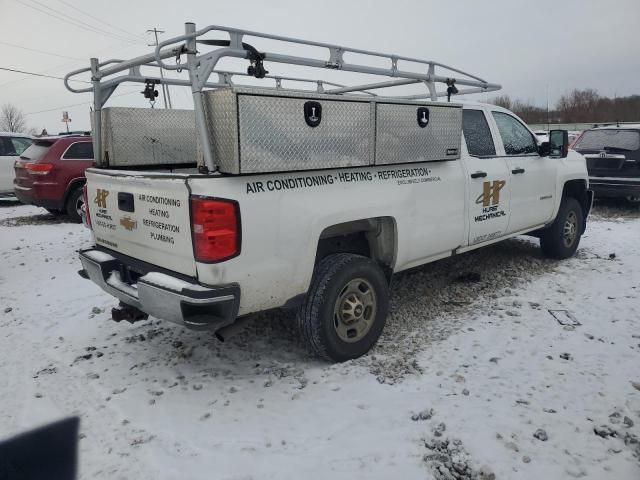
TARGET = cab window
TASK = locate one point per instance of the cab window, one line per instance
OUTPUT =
(516, 138)
(477, 134)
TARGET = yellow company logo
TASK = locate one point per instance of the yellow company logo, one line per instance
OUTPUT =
(101, 198)
(128, 223)
(491, 193)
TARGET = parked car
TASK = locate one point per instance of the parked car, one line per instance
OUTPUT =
(50, 174)
(613, 160)
(11, 146)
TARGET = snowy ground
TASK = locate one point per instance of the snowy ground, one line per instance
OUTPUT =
(470, 369)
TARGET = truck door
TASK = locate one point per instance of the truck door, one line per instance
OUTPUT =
(532, 178)
(487, 177)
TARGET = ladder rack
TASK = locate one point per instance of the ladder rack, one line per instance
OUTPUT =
(201, 67)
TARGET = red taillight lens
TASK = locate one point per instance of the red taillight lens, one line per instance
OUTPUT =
(85, 196)
(38, 168)
(215, 225)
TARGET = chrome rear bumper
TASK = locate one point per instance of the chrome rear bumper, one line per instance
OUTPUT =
(162, 295)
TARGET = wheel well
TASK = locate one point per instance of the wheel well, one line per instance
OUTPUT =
(371, 237)
(578, 190)
(73, 184)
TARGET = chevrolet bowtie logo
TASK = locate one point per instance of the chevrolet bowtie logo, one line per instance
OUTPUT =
(128, 223)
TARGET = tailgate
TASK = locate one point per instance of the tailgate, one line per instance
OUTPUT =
(143, 216)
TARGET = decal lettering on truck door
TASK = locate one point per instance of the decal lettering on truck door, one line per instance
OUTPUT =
(490, 200)
(101, 198)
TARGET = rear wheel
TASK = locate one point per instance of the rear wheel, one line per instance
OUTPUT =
(561, 239)
(345, 308)
(74, 205)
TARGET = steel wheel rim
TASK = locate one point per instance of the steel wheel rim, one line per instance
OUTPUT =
(570, 229)
(79, 205)
(355, 310)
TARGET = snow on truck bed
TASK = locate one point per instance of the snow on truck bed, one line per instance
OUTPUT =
(470, 377)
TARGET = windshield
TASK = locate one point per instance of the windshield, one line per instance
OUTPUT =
(36, 151)
(609, 139)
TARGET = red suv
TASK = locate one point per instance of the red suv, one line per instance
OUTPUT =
(50, 174)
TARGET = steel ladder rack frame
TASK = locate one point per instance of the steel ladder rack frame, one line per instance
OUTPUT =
(202, 67)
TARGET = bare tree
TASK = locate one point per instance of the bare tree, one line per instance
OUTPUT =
(12, 119)
(503, 101)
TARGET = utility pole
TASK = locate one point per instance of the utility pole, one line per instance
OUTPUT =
(166, 97)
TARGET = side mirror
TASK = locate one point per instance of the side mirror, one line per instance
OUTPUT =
(559, 143)
(544, 149)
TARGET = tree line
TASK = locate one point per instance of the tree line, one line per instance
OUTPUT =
(576, 106)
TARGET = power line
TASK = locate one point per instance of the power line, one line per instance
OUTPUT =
(77, 104)
(101, 20)
(38, 74)
(76, 23)
(39, 51)
(80, 23)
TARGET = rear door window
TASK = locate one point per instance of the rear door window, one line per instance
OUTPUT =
(516, 138)
(79, 151)
(477, 134)
(6, 147)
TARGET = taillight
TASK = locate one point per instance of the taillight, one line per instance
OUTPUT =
(38, 168)
(215, 226)
(85, 196)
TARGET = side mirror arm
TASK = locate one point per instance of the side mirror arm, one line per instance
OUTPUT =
(544, 149)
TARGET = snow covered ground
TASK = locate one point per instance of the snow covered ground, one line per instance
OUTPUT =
(464, 377)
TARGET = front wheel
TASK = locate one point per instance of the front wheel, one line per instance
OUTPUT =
(346, 307)
(561, 239)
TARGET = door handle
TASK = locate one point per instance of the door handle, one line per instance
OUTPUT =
(479, 175)
(516, 171)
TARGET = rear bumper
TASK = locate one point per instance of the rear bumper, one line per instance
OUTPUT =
(615, 186)
(162, 295)
(31, 196)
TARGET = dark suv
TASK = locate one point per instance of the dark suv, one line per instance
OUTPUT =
(50, 174)
(613, 160)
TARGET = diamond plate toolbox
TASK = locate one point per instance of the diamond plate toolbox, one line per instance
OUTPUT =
(419, 132)
(148, 136)
(255, 130)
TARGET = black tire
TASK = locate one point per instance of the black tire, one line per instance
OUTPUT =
(73, 205)
(337, 279)
(557, 240)
(53, 211)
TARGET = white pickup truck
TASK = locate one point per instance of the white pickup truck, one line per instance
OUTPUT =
(313, 200)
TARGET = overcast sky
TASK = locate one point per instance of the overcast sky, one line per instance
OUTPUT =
(530, 47)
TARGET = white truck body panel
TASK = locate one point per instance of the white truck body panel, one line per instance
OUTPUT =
(437, 210)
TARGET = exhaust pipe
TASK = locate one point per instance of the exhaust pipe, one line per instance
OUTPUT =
(236, 327)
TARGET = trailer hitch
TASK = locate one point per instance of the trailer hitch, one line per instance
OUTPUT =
(127, 312)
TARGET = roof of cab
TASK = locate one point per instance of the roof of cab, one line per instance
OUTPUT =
(15, 134)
